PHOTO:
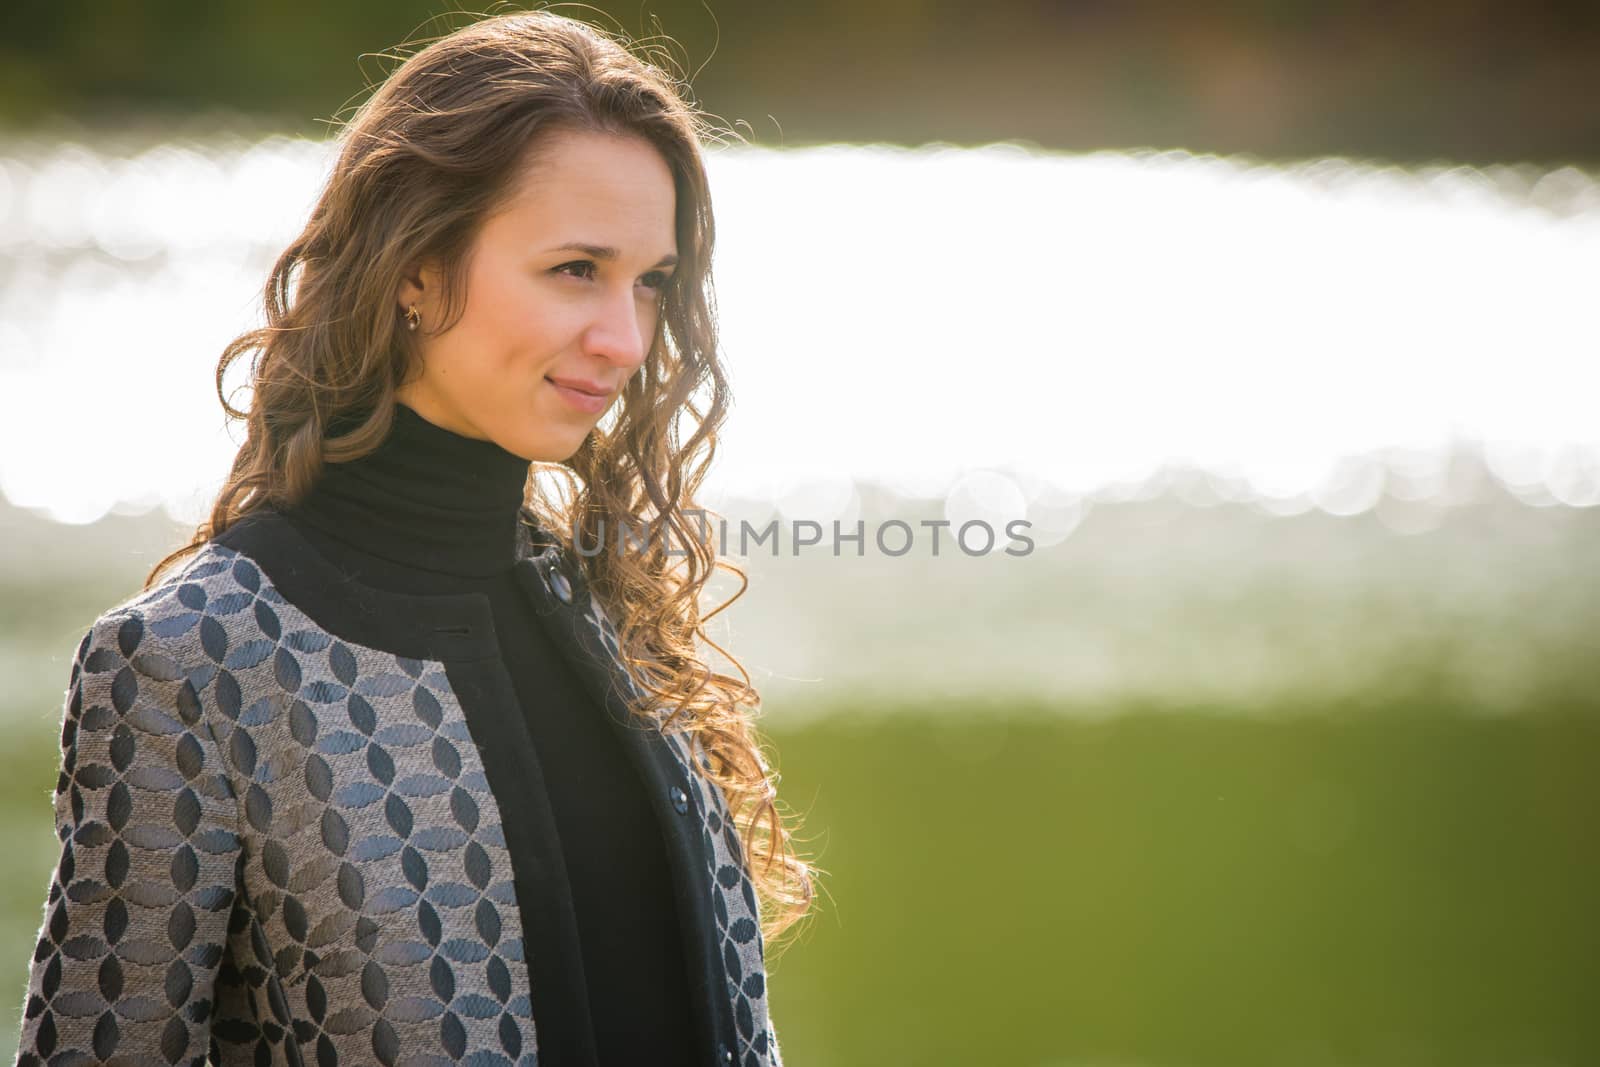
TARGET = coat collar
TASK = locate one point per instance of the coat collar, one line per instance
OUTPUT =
(444, 627)
(449, 626)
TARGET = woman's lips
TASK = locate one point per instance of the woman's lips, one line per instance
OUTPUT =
(589, 403)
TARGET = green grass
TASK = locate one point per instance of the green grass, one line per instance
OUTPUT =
(1411, 888)
(1020, 886)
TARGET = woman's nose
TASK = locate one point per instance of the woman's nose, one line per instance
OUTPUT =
(619, 332)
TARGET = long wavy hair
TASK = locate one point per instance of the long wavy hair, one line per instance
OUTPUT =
(422, 163)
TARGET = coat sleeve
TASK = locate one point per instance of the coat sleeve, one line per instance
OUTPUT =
(135, 923)
(773, 1053)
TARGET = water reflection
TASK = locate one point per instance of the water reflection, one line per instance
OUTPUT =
(1299, 336)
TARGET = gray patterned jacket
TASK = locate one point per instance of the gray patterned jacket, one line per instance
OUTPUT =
(278, 842)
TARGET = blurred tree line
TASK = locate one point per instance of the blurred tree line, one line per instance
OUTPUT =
(1469, 80)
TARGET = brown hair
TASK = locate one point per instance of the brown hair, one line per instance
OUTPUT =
(423, 162)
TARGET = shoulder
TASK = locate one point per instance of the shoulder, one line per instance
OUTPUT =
(183, 627)
(134, 713)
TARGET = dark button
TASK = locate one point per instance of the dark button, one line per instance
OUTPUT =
(680, 800)
(558, 584)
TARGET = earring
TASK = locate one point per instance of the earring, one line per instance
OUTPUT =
(413, 320)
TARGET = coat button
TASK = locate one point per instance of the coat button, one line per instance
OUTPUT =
(680, 800)
(724, 1054)
(558, 584)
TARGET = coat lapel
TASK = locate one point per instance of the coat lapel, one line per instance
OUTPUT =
(575, 620)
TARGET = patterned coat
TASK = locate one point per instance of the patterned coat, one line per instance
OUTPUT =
(279, 844)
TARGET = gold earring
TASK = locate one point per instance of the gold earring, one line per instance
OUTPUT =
(413, 320)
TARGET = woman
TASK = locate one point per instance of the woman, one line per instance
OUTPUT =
(366, 773)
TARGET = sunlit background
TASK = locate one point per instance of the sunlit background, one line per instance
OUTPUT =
(1278, 747)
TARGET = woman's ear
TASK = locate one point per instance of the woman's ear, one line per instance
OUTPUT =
(419, 285)
(410, 291)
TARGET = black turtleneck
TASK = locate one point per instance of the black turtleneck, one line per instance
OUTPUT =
(434, 512)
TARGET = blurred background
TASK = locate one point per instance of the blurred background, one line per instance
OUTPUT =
(1276, 320)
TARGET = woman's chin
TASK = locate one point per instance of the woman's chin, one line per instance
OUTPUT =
(548, 448)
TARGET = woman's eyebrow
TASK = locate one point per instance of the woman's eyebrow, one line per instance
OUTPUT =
(606, 252)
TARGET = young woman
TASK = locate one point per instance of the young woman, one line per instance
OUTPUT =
(403, 760)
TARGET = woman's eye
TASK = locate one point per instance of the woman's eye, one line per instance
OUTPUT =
(656, 280)
(581, 264)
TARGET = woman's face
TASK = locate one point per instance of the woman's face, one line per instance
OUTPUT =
(563, 295)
